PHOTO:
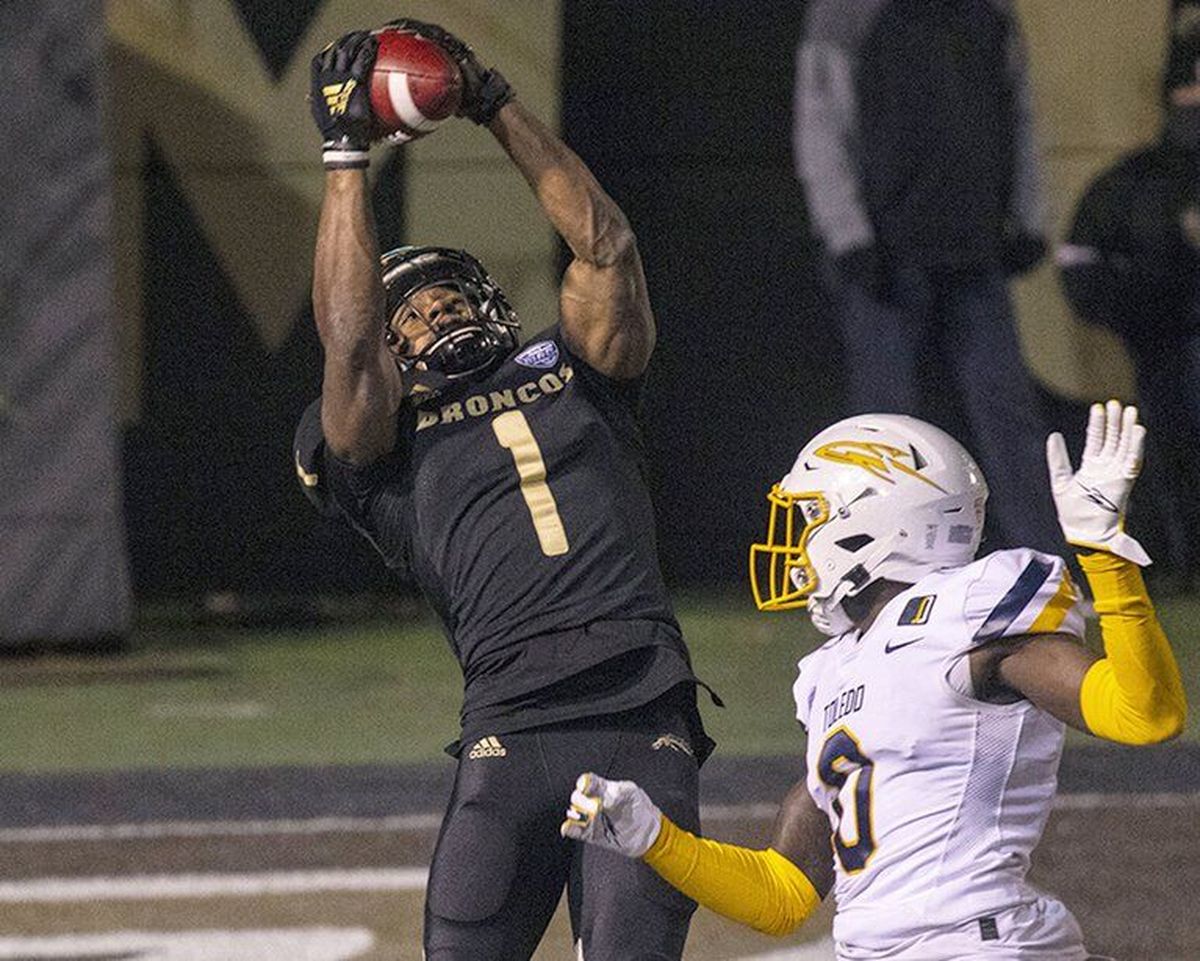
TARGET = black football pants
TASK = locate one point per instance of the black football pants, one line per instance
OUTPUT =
(500, 864)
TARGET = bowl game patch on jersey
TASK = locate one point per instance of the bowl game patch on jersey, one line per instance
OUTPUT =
(916, 611)
(543, 355)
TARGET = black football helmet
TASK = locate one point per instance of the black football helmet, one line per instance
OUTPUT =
(466, 348)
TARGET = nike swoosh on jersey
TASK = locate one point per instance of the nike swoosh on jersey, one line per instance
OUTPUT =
(889, 646)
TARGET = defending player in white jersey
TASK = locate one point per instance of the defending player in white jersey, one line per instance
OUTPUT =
(936, 712)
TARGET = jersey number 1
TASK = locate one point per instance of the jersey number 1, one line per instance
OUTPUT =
(513, 433)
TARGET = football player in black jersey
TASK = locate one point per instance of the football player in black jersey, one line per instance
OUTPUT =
(508, 483)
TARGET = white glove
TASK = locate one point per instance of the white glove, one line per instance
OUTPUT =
(617, 815)
(1091, 501)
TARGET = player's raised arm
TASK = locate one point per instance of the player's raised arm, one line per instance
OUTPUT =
(605, 309)
(361, 387)
(772, 890)
(606, 315)
(1134, 694)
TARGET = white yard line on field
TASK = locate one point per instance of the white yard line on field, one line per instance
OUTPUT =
(294, 944)
(714, 813)
(152, 887)
(154, 830)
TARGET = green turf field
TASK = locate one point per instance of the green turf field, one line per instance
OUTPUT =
(376, 692)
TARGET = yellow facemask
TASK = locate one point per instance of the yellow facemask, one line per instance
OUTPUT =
(781, 575)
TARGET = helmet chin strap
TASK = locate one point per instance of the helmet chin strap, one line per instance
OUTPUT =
(829, 615)
(826, 613)
(830, 619)
(426, 373)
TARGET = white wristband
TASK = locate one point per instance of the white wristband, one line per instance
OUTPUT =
(342, 158)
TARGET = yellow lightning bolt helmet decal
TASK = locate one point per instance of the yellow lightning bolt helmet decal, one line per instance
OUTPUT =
(875, 458)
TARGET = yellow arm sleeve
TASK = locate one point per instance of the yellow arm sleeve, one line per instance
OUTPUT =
(762, 889)
(1134, 694)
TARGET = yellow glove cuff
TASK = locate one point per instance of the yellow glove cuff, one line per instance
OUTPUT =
(1133, 695)
(759, 888)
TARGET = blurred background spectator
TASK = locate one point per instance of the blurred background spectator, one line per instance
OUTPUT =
(914, 140)
(1131, 263)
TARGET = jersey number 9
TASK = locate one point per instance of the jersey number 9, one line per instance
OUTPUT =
(843, 767)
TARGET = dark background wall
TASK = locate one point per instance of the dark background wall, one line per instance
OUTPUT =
(211, 498)
(688, 125)
(63, 571)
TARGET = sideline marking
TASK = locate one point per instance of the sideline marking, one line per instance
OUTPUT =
(154, 887)
(152, 830)
(295, 944)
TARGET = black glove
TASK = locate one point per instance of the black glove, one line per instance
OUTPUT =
(341, 100)
(867, 268)
(484, 91)
(1021, 253)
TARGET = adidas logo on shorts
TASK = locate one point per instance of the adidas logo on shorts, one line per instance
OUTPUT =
(487, 747)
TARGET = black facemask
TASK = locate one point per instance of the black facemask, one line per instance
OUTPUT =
(1183, 128)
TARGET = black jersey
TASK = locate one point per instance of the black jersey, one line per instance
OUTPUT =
(518, 505)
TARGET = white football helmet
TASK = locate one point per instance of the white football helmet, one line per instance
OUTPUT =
(880, 496)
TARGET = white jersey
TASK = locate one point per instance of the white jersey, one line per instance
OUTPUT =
(936, 799)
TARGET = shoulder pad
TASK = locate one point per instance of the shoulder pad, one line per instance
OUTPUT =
(1018, 592)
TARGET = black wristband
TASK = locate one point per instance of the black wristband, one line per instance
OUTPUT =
(493, 94)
